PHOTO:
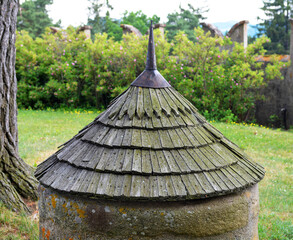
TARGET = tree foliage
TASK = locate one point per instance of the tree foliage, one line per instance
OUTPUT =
(276, 25)
(95, 20)
(113, 29)
(106, 24)
(139, 20)
(184, 20)
(33, 17)
(221, 83)
(65, 70)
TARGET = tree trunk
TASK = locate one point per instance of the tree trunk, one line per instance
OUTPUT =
(16, 179)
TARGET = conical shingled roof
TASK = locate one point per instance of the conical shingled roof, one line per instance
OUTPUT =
(150, 143)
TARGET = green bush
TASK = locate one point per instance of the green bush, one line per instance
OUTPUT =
(217, 78)
(66, 70)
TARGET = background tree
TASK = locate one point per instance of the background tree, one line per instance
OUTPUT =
(276, 26)
(184, 20)
(16, 179)
(33, 17)
(95, 20)
(112, 28)
(139, 20)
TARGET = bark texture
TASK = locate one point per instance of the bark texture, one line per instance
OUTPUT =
(16, 177)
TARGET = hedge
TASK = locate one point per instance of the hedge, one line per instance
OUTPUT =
(66, 70)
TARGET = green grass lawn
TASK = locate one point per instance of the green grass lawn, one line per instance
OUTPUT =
(41, 132)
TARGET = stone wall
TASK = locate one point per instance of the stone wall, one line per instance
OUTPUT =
(87, 31)
(278, 96)
(130, 29)
(237, 33)
(208, 27)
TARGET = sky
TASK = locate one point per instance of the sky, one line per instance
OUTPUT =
(74, 12)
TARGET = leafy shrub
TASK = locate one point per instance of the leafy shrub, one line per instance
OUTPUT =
(67, 70)
(219, 79)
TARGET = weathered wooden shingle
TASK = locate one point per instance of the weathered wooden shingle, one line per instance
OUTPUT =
(149, 153)
(149, 144)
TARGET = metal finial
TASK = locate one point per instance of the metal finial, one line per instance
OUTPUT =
(151, 56)
(150, 77)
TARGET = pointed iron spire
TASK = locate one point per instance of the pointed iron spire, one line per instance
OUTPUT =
(150, 77)
(151, 56)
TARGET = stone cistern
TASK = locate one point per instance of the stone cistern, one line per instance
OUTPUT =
(149, 167)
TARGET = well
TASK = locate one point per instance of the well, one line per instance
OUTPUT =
(228, 217)
(149, 167)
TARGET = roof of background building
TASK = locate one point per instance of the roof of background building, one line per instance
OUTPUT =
(268, 58)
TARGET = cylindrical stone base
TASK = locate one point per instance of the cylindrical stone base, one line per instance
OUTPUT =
(64, 216)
